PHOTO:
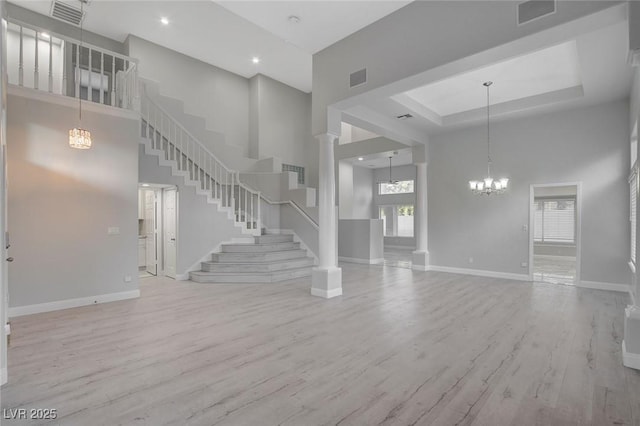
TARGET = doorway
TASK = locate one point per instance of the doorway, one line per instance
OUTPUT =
(554, 237)
(157, 230)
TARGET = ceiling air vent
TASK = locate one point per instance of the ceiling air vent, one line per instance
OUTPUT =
(404, 116)
(535, 9)
(67, 13)
(358, 78)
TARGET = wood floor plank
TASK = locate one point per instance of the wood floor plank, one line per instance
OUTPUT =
(400, 347)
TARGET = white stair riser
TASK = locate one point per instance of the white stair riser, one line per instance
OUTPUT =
(257, 267)
(251, 278)
(258, 257)
(265, 239)
(263, 248)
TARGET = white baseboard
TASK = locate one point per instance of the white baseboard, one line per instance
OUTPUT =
(3, 376)
(18, 311)
(479, 273)
(629, 359)
(327, 294)
(362, 261)
(182, 277)
(421, 267)
(603, 286)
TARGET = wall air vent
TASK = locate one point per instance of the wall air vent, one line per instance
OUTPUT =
(358, 78)
(535, 9)
(67, 13)
(404, 116)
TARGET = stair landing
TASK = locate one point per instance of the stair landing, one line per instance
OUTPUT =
(270, 258)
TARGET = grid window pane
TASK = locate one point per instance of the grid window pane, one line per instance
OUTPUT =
(401, 187)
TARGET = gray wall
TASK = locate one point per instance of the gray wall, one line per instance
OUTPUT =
(219, 96)
(421, 36)
(590, 145)
(201, 227)
(360, 239)
(362, 193)
(280, 123)
(62, 200)
(344, 190)
(407, 172)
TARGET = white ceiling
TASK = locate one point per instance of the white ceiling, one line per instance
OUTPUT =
(535, 73)
(230, 36)
(583, 70)
(321, 23)
(380, 160)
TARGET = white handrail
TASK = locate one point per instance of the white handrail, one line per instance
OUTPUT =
(199, 163)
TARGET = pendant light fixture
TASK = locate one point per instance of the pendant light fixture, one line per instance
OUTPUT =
(488, 185)
(391, 181)
(80, 138)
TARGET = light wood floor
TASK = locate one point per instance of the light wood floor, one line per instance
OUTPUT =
(400, 347)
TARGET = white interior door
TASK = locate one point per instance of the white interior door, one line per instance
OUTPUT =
(170, 206)
(150, 230)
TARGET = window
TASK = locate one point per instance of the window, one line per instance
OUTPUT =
(397, 221)
(555, 220)
(296, 169)
(401, 187)
(633, 197)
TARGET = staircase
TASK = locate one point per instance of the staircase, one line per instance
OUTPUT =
(270, 258)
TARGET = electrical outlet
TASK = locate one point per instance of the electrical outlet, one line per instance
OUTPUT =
(127, 278)
(524, 264)
(525, 228)
(113, 230)
(471, 260)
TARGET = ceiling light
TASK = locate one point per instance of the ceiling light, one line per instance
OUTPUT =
(255, 60)
(145, 185)
(164, 21)
(294, 19)
(45, 35)
(488, 185)
(360, 158)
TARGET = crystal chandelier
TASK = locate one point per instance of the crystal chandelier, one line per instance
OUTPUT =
(80, 138)
(488, 185)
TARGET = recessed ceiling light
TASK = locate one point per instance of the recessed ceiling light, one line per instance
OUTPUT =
(294, 19)
(145, 184)
(165, 21)
(360, 158)
(255, 60)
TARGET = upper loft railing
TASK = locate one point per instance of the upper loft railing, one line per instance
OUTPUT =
(42, 60)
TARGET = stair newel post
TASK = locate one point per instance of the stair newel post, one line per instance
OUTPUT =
(36, 73)
(258, 221)
(246, 205)
(113, 82)
(252, 217)
(50, 65)
(21, 59)
(233, 198)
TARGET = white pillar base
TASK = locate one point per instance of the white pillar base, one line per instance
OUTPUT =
(326, 282)
(420, 260)
(631, 342)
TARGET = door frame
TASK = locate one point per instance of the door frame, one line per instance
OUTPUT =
(578, 186)
(158, 190)
(164, 236)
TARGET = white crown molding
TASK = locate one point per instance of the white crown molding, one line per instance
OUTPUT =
(18, 311)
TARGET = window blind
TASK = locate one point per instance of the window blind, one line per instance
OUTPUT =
(555, 221)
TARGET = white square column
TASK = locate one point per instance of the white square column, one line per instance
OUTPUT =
(326, 279)
(420, 257)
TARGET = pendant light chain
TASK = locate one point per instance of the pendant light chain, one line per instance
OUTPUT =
(487, 84)
(80, 59)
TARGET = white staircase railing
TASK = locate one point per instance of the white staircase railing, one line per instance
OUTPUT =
(43, 60)
(199, 165)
